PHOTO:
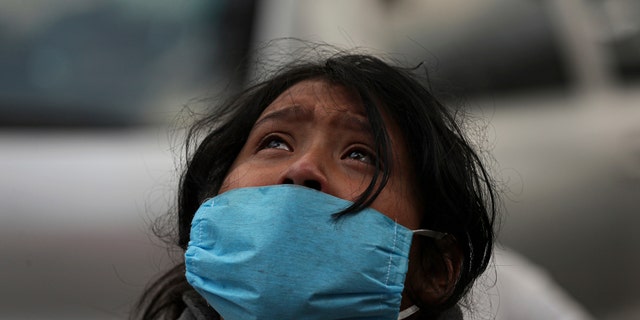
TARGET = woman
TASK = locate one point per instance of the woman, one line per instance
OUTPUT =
(340, 189)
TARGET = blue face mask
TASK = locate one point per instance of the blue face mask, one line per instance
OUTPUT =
(276, 252)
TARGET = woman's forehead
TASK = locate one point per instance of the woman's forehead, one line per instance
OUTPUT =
(319, 93)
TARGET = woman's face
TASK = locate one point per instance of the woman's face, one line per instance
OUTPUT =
(317, 134)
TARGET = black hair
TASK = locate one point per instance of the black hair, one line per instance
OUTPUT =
(453, 185)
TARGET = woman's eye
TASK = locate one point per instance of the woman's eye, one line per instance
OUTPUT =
(274, 142)
(361, 155)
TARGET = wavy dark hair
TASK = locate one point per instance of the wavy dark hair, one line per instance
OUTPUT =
(454, 186)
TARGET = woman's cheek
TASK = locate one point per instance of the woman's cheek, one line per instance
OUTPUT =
(231, 181)
(250, 175)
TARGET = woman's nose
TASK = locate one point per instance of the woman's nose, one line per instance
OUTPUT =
(308, 171)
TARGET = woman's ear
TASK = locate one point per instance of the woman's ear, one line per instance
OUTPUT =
(452, 259)
(435, 270)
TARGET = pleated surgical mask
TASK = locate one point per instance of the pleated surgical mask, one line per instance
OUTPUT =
(277, 252)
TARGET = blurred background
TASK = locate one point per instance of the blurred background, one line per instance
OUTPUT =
(91, 92)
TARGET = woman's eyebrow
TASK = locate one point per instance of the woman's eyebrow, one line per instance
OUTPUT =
(296, 113)
(353, 122)
(292, 113)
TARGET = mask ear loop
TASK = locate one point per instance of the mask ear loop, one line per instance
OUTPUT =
(430, 233)
(408, 312)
